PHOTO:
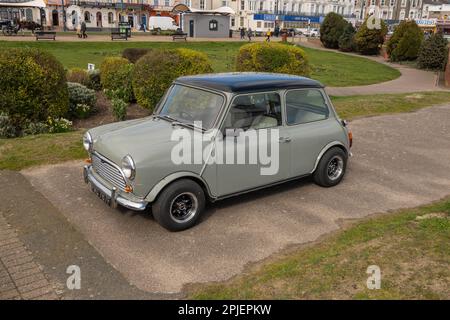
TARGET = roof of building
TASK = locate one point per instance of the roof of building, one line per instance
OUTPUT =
(249, 81)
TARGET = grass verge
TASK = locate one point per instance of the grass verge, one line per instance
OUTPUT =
(330, 68)
(351, 107)
(410, 247)
(20, 153)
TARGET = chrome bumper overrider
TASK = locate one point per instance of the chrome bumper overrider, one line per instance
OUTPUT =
(115, 196)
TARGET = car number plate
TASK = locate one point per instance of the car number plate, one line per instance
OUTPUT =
(101, 195)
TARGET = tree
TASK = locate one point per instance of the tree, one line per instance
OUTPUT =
(346, 41)
(370, 36)
(433, 53)
(405, 42)
(331, 30)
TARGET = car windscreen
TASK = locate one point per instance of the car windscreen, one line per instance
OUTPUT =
(186, 104)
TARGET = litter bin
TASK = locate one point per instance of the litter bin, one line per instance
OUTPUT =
(124, 27)
(231, 33)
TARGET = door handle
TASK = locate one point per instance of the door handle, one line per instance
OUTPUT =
(285, 139)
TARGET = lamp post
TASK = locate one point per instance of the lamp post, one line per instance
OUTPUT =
(64, 16)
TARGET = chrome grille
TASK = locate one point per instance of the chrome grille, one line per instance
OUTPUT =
(108, 171)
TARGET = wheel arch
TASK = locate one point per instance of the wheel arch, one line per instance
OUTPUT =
(161, 185)
(330, 145)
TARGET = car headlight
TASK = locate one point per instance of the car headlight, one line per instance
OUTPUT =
(87, 142)
(128, 167)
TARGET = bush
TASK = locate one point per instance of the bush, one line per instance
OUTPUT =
(36, 128)
(115, 75)
(82, 101)
(119, 109)
(78, 75)
(134, 54)
(368, 39)
(433, 53)
(32, 86)
(154, 72)
(272, 57)
(94, 80)
(7, 128)
(59, 125)
(346, 41)
(405, 42)
(331, 30)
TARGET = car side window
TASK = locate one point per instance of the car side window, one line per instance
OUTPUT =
(306, 105)
(254, 111)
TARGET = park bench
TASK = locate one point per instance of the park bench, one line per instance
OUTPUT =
(47, 35)
(179, 36)
(117, 35)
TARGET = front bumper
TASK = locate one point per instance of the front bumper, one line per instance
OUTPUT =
(116, 196)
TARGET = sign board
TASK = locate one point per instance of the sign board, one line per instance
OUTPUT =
(91, 66)
(272, 17)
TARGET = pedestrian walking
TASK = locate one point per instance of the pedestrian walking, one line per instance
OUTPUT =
(83, 30)
(242, 33)
(249, 34)
(79, 30)
(268, 35)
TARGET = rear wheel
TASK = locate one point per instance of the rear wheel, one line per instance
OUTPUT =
(331, 168)
(179, 205)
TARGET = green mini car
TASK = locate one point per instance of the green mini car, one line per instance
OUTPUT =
(215, 136)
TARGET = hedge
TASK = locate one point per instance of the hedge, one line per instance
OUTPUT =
(272, 57)
(331, 30)
(115, 76)
(369, 39)
(32, 86)
(405, 42)
(433, 53)
(154, 72)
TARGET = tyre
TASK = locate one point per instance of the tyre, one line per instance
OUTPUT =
(179, 205)
(331, 168)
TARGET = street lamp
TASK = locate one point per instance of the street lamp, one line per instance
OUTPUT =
(64, 16)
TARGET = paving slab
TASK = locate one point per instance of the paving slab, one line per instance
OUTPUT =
(399, 161)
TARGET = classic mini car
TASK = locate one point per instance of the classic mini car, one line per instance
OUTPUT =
(246, 131)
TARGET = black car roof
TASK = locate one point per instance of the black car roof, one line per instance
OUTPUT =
(249, 81)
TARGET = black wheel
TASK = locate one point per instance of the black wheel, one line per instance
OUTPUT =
(179, 205)
(331, 168)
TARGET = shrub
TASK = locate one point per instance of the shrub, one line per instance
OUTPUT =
(368, 39)
(119, 109)
(331, 30)
(82, 101)
(433, 53)
(346, 41)
(405, 42)
(32, 86)
(115, 74)
(272, 57)
(7, 128)
(78, 75)
(154, 72)
(94, 80)
(134, 54)
(36, 128)
(58, 125)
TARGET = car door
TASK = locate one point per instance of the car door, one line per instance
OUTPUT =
(249, 120)
(310, 127)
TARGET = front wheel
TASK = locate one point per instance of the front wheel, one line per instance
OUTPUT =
(331, 168)
(179, 205)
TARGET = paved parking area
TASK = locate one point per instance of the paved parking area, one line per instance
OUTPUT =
(399, 161)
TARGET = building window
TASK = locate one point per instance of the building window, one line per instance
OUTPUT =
(261, 5)
(233, 22)
(202, 4)
(87, 16)
(156, 2)
(110, 18)
(213, 25)
(258, 24)
(241, 21)
(242, 5)
(167, 3)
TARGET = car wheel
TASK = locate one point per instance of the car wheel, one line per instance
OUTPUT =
(179, 205)
(331, 168)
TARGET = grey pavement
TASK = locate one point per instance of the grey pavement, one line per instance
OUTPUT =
(399, 161)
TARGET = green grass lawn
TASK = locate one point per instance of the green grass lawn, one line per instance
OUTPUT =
(332, 69)
(20, 153)
(411, 247)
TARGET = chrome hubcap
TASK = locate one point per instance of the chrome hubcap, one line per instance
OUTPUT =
(183, 207)
(335, 167)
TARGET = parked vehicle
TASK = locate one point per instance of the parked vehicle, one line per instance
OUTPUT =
(161, 23)
(134, 163)
(314, 32)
